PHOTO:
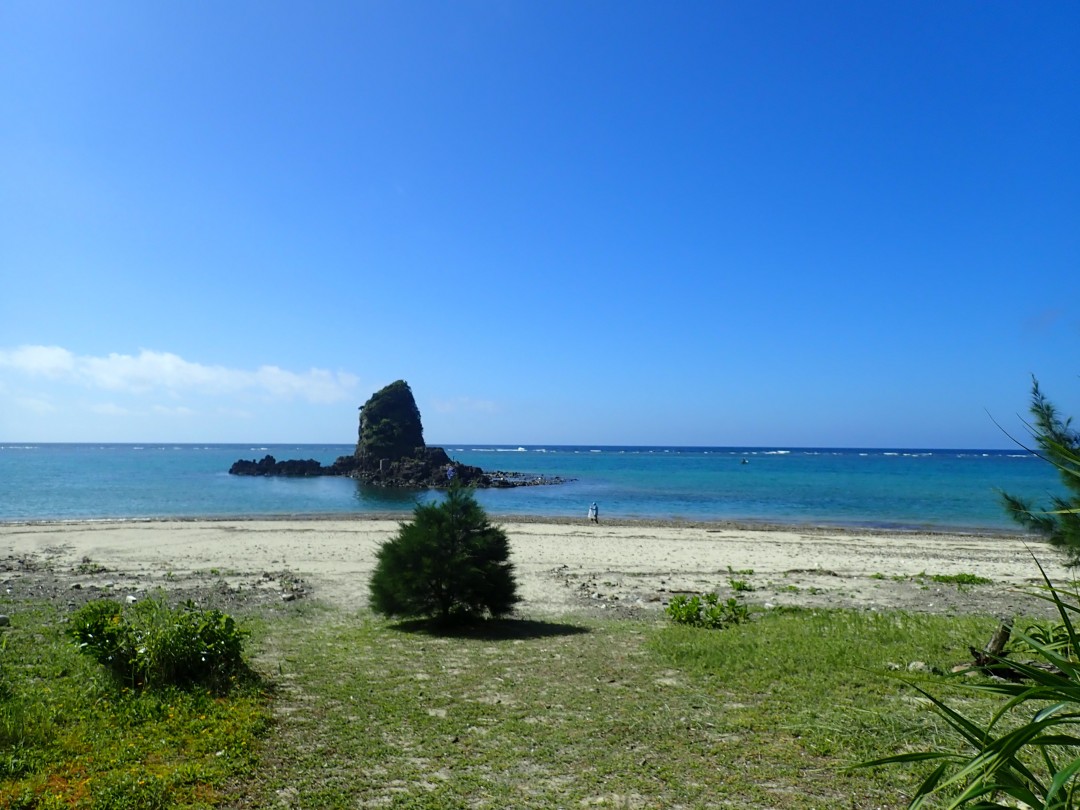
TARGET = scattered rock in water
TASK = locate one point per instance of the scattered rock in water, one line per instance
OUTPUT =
(269, 465)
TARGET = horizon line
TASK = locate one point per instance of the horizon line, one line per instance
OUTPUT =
(527, 446)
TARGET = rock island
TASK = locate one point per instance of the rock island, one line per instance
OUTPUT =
(390, 452)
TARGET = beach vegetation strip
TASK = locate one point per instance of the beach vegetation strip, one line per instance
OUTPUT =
(961, 579)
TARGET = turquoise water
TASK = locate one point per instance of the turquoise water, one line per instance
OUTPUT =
(943, 489)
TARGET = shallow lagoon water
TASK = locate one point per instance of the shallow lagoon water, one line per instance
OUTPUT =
(929, 489)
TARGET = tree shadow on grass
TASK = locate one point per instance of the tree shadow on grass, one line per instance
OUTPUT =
(490, 629)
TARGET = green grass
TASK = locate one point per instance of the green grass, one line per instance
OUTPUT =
(611, 713)
(69, 737)
(962, 579)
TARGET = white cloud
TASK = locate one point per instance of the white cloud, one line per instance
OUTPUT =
(155, 372)
(317, 385)
(45, 361)
(149, 371)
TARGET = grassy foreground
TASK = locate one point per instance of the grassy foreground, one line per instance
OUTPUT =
(358, 712)
(612, 713)
(71, 737)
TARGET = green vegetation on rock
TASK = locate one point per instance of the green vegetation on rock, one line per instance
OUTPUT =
(390, 426)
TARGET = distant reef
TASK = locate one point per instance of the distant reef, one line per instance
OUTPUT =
(391, 452)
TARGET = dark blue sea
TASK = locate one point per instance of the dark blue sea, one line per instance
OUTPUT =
(890, 488)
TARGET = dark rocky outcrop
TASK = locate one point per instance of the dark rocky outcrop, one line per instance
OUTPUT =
(390, 452)
(269, 465)
(390, 427)
(424, 467)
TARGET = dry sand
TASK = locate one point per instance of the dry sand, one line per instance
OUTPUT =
(563, 568)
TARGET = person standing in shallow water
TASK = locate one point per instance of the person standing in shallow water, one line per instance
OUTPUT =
(594, 513)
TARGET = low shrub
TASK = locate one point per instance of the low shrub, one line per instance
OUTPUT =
(706, 611)
(152, 644)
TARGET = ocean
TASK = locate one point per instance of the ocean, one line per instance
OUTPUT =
(888, 488)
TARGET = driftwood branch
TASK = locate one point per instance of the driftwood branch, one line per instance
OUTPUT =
(991, 658)
(995, 647)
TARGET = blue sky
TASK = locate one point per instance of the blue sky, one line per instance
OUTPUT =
(698, 223)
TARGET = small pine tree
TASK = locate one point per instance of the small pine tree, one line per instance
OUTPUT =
(1059, 444)
(449, 563)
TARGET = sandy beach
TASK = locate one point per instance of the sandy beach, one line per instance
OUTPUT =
(563, 568)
